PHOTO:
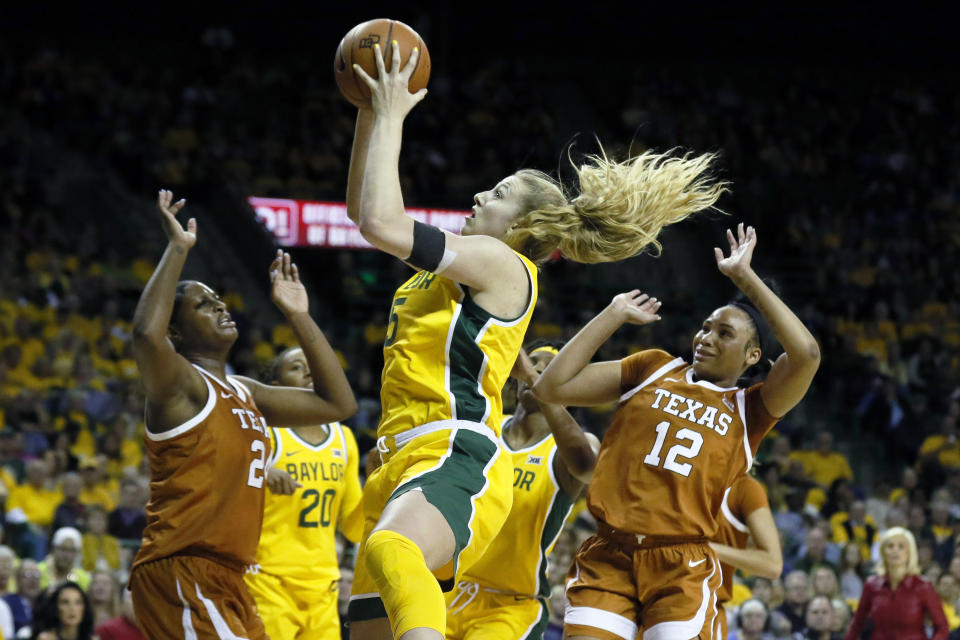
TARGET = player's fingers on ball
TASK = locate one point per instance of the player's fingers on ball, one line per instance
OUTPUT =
(394, 57)
(378, 58)
(364, 77)
(295, 272)
(718, 254)
(411, 64)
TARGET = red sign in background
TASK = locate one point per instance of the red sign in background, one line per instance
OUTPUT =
(302, 223)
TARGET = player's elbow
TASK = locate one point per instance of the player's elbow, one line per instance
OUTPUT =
(810, 354)
(343, 408)
(373, 229)
(773, 567)
(581, 464)
(145, 337)
(349, 407)
(545, 392)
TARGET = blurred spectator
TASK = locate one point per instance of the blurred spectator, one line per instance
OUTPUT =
(6, 621)
(124, 626)
(940, 529)
(127, 521)
(851, 572)
(855, 526)
(949, 590)
(823, 465)
(762, 589)
(824, 582)
(22, 602)
(64, 613)
(818, 620)
(69, 513)
(751, 622)
(841, 617)
(7, 561)
(796, 587)
(897, 599)
(97, 488)
(62, 564)
(941, 450)
(792, 525)
(816, 551)
(33, 504)
(104, 597)
(101, 551)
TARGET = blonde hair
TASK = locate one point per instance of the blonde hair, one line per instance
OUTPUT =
(913, 562)
(619, 210)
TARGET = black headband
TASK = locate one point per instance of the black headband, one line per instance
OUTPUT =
(763, 330)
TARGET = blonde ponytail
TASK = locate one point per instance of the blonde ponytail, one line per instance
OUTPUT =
(619, 210)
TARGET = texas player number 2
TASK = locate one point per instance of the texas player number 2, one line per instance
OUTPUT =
(255, 477)
(676, 451)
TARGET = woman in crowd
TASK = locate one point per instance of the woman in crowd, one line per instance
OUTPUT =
(898, 600)
(65, 614)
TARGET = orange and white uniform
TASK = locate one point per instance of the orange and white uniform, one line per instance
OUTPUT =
(745, 496)
(674, 446)
(203, 521)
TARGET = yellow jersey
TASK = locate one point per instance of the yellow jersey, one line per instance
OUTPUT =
(299, 530)
(445, 358)
(516, 560)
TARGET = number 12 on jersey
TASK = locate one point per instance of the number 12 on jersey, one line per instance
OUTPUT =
(676, 451)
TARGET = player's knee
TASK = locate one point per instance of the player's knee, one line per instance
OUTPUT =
(409, 591)
(388, 552)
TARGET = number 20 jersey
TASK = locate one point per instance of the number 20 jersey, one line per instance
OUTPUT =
(674, 446)
(299, 530)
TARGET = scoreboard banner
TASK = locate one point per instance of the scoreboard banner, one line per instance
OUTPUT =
(303, 223)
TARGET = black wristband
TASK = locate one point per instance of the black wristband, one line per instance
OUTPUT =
(429, 244)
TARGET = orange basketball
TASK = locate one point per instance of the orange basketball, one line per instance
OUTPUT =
(357, 48)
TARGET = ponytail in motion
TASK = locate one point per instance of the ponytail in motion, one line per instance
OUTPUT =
(618, 210)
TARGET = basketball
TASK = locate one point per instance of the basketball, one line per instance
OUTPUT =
(357, 48)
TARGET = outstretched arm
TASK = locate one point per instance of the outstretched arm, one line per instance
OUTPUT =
(480, 262)
(570, 378)
(792, 373)
(331, 399)
(165, 373)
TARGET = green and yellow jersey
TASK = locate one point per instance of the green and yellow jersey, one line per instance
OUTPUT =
(298, 537)
(516, 560)
(445, 358)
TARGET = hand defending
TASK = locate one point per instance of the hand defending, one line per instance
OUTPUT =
(523, 369)
(741, 252)
(636, 308)
(287, 291)
(176, 234)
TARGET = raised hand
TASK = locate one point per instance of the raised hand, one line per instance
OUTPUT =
(390, 92)
(287, 291)
(737, 264)
(635, 308)
(524, 370)
(176, 234)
